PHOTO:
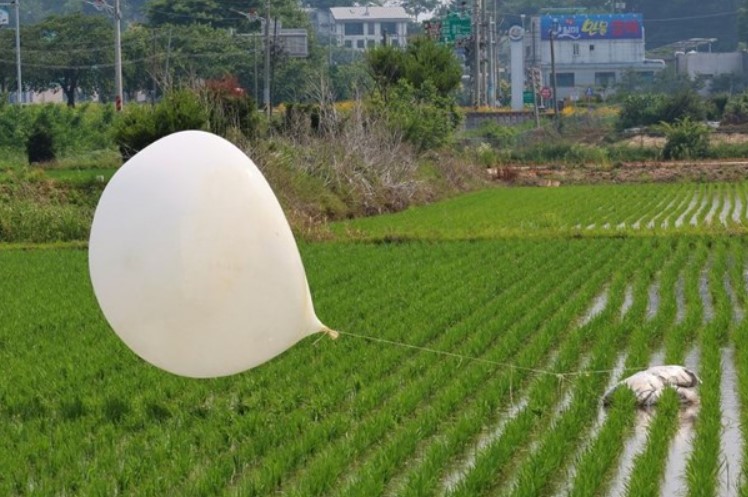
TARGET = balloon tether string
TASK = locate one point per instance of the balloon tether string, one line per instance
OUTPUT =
(335, 334)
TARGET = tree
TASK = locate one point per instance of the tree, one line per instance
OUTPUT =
(422, 61)
(170, 56)
(7, 61)
(74, 52)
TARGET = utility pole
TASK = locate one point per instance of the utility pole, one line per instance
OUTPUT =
(116, 13)
(491, 97)
(118, 98)
(477, 62)
(552, 34)
(266, 89)
(17, 5)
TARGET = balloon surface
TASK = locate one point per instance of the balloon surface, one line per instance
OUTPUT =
(193, 262)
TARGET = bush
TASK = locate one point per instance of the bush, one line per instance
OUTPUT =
(40, 144)
(140, 125)
(647, 109)
(421, 116)
(229, 107)
(736, 109)
(497, 135)
(686, 139)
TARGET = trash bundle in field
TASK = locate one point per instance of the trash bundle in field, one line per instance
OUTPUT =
(648, 385)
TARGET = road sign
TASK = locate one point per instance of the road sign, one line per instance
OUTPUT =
(4, 17)
(546, 92)
(454, 27)
(589, 92)
(527, 97)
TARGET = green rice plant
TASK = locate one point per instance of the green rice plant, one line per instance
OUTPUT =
(649, 465)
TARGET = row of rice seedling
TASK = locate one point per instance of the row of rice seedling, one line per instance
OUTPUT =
(542, 470)
(378, 380)
(650, 463)
(500, 456)
(452, 392)
(684, 207)
(460, 430)
(599, 455)
(703, 464)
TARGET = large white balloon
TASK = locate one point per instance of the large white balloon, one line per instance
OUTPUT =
(193, 262)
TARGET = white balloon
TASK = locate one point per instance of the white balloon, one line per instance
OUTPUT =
(193, 262)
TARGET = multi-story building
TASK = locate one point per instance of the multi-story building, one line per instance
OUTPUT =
(592, 52)
(362, 27)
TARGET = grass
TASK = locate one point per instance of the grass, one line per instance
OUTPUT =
(479, 277)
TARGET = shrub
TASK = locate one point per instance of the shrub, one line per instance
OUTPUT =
(497, 135)
(40, 144)
(424, 118)
(229, 107)
(686, 139)
(736, 109)
(139, 125)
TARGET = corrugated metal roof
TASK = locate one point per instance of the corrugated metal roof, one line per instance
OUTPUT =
(369, 13)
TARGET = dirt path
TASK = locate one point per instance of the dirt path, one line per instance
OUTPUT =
(633, 172)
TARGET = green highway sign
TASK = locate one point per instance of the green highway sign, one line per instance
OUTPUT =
(454, 27)
(527, 97)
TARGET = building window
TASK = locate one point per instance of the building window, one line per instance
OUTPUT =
(370, 27)
(565, 79)
(348, 44)
(592, 48)
(575, 48)
(371, 43)
(389, 27)
(354, 29)
(359, 43)
(605, 79)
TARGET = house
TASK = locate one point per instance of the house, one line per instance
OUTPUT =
(360, 28)
(592, 51)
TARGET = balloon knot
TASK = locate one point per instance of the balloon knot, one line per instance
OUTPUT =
(330, 332)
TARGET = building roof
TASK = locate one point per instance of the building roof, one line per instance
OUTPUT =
(369, 13)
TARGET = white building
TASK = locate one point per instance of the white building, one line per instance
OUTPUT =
(592, 51)
(363, 27)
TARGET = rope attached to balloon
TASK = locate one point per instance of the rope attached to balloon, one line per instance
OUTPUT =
(561, 375)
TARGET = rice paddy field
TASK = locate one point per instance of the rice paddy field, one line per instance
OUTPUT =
(478, 337)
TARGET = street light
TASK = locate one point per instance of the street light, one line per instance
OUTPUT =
(17, 4)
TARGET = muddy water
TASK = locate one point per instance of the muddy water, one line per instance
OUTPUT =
(706, 298)
(598, 306)
(680, 299)
(695, 218)
(737, 311)
(571, 470)
(634, 445)
(454, 477)
(628, 301)
(691, 206)
(636, 442)
(712, 211)
(726, 207)
(653, 300)
(731, 443)
(737, 212)
(674, 481)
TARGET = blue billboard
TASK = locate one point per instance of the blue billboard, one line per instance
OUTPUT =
(592, 27)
